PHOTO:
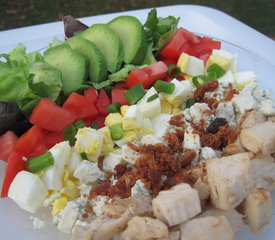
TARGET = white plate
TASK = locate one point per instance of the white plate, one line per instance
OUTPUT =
(16, 223)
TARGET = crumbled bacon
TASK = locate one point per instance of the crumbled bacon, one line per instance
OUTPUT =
(177, 120)
(101, 189)
(209, 87)
(121, 169)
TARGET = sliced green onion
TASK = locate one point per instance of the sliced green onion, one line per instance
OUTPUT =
(69, 134)
(216, 69)
(190, 102)
(79, 124)
(174, 71)
(135, 93)
(196, 82)
(210, 77)
(83, 156)
(165, 87)
(113, 108)
(116, 131)
(153, 97)
(94, 125)
(35, 164)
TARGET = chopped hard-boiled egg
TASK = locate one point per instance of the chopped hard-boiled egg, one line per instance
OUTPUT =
(113, 118)
(28, 191)
(232, 59)
(108, 143)
(89, 141)
(58, 205)
(75, 160)
(87, 172)
(133, 118)
(161, 124)
(244, 78)
(220, 60)
(190, 65)
(152, 108)
(182, 92)
(166, 107)
(110, 161)
(52, 176)
(123, 110)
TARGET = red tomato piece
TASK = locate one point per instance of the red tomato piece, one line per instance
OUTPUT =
(207, 45)
(148, 75)
(88, 122)
(188, 49)
(170, 61)
(118, 93)
(15, 165)
(50, 116)
(99, 121)
(80, 106)
(53, 138)
(31, 143)
(102, 102)
(91, 94)
(7, 143)
(172, 48)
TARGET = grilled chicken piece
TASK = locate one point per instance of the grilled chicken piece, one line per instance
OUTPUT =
(207, 228)
(263, 172)
(177, 204)
(260, 138)
(234, 218)
(102, 227)
(144, 228)
(229, 179)
(258, 209)
(233, 148)
(140, 205)
(202, 188)
(172, 236)
(253, 118)
(271, 119)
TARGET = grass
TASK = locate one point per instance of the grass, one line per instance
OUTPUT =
(259, 14)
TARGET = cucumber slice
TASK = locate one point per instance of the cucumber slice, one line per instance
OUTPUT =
(132, 36)
(107, 42)
(97, 66)
(72, 65)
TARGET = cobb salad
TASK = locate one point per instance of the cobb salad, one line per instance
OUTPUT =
(183, 144)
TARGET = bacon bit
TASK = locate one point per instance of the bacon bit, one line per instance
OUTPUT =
(121, 169)
(85, 215)
(177, 120)
(187, 157)
(101, 189)
(209, 87)
(174, 142)
(154, 176)
(230, 93)
(211, 102)
(221, 139)
(100, 163)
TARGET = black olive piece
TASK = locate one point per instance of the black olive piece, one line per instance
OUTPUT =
(214, 126)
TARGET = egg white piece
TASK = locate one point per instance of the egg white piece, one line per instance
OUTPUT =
(152, 108)
(133, 118)
(28, 191)
(190, 65)
(52, 176)
(161, 124)
(110, 161)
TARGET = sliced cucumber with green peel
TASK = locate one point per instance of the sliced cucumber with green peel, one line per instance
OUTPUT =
(72, 65)
(97, 66)
(132, 36)
(107, 42)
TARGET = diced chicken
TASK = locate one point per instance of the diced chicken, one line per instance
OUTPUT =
(208, 152)
(271, 119)
(253, 118)
(234, 148)
(260, 138)
(102, 227)
(258, 209)
(175, 235)
(263, 171)
(234, 218)
(207, 228)
(202, 188)
(230, 180)
(144, 228)
(177, 204)
(140, 205)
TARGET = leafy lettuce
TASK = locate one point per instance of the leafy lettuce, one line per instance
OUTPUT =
(25, 78)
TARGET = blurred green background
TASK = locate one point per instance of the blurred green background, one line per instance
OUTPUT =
(259, 14)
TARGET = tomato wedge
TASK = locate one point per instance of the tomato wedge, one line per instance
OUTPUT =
(7, 143)
(148, 75)
(81, 106)
(53, 138)
(48, 115)
(102, 102)
(15, 165)
(31, 143)
(91, 94)
(118, 93)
